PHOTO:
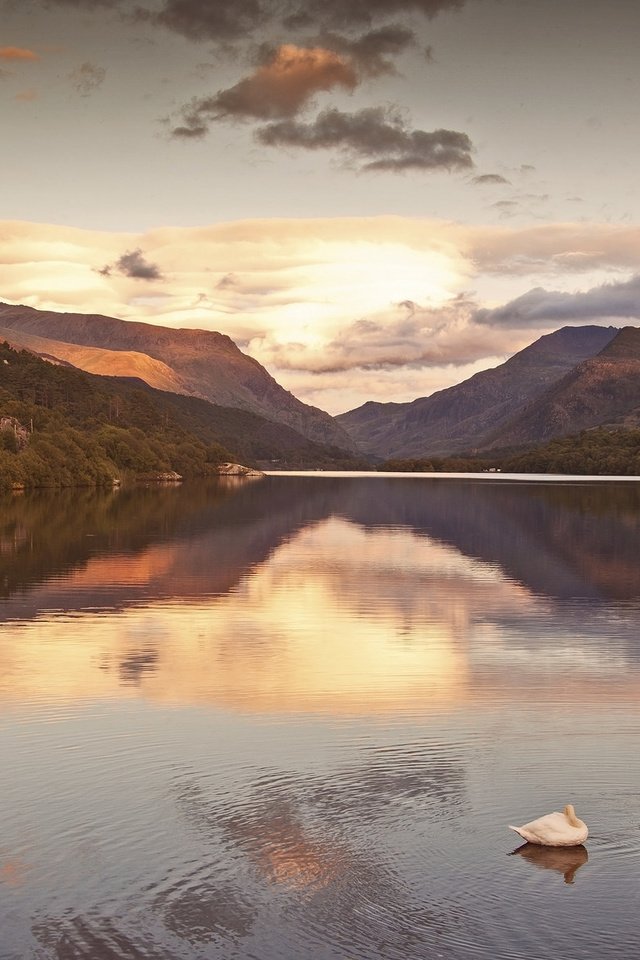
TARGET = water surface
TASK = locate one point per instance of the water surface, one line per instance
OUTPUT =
(291, 718)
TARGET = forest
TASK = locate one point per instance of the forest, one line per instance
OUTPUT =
(602, 451)
(64, 427)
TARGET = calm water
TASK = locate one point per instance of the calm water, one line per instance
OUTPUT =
(291, 719)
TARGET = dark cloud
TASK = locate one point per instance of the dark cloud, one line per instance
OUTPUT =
(280, 87)
(370, 52)
(87, 78)
(539, 307)
(228, 282)
(340, 13)
(224, 20)
(207, 19)
(378, 138)
(133, 264)
(89, 4)
(489, 178)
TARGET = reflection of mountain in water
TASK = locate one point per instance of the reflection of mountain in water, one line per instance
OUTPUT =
(78, 550)
(559, 540)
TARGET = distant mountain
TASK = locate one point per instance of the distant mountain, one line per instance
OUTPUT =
(467, 416)
(601, 391)
(200, 363)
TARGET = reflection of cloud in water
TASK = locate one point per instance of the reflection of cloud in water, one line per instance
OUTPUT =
(307, 830)
(94, 937)
(13, 870)
(341, 620)
(309, 839)
(195, 911)
(564, 860)
(136, 664)
(203, 913)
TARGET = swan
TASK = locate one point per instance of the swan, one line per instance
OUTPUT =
(555, 829)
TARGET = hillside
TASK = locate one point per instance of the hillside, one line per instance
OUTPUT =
(601, 391)
(89, 429)
(202, 363)
(463, 417)
(115, 363)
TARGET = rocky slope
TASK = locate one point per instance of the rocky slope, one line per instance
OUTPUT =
(118, 363)
(464, 417)
(601, 391)
(201, 363)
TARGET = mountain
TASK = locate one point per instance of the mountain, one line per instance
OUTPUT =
(201, 363)
(117, 363)
(464, 417)
(60, 426)
(601, 391)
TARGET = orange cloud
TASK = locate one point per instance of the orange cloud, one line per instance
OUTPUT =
(27, 95)
(280, 87)
(17, 53)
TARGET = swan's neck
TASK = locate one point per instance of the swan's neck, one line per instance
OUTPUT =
(570, 814)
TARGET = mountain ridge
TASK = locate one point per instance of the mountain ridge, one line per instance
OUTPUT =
(603, 390)
(464, 417)
(203, 363)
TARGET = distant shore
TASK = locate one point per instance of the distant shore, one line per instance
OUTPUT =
(434, 475)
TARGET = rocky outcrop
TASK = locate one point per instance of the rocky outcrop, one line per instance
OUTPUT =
(15, 429)
(237, 470)
(169, 476)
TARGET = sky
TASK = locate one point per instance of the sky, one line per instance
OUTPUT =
(374, 198)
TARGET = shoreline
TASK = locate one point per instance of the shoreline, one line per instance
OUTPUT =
(488, 476)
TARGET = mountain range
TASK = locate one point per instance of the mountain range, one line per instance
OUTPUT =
(571, 380)
(567, 381)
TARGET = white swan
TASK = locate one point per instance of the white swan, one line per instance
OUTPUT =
(555, 829)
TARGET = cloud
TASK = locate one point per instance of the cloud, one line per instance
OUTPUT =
(133, 264)
(281, 87)
(5, 74)
(225, 20)
(27, 96)
(89, 4)
(539, 307)
(359, 12)
(406, 335)
(228, 282)
(87, 78)
(370, 52)
(231, 20)
(558, 248)
(340, 310)
(377, 136)
(206, 20)
(17, 53)
(489, 178)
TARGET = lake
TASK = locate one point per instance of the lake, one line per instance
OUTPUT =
(291, 718)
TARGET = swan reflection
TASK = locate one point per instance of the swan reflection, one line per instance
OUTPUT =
(565, 860)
